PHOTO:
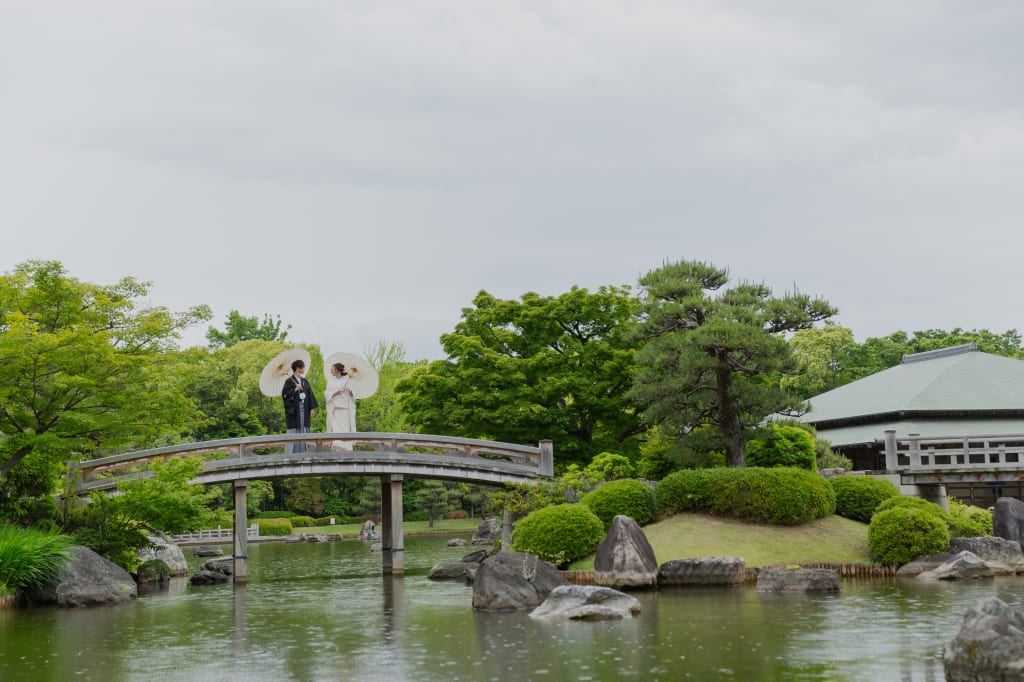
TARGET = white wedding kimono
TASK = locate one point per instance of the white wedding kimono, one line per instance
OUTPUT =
(341, 410)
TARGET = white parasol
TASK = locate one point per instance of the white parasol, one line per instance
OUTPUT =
(363, 379)
(273, 376)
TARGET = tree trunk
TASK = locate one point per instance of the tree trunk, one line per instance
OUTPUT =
(729, 419)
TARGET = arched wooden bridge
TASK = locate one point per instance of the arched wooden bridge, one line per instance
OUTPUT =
(390, 456)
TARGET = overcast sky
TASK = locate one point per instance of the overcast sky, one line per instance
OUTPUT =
(363, 168)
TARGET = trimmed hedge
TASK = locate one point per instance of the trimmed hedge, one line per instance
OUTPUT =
(787, 446)
(781, 495)
(966, 521)
(275, 526)
(560, 534)
(904, 533)
(279, 514)
(857, 497)
(627, 497)
(303, 521)
(908, 502)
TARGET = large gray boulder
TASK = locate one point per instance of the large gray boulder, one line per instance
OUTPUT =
(1004, 557)
(87, 580)
(208, 551)
(625, 558)
(989, 646)
(797, 580)
(920, 565)
(454, 570)
(963, 566)
(1008, 520)
(214, 571)
(509, 581)
(717, 570)
(166, 552)
(487, 532)
(586, 602)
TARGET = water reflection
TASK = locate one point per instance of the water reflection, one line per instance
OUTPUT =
(325, 611)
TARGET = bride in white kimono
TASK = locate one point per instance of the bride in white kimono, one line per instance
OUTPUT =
(341, 406)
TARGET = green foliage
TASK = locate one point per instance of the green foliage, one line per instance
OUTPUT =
(239, 328)
(786, 446)
(634, 499)
(276, 514)
(780, 496)
(524, 498)
(105, 527)
(903, 533)
(303, 521)
(857, 497)
(167, 502)
(817, 353)
(539, 367)
(434, 499)
(967, 521)
(908, 502)
(30, 558)
(710, 355)
(559, 534)
(609, 466)
(275, 526)
(382, 411)
(82, 367)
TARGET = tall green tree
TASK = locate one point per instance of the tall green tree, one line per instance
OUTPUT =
(382, 411)
(539, 367)
(238, 328)
(819, 353)
(713, 355)
(82, 366)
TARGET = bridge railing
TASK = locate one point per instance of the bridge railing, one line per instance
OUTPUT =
(954, 453)
(217, 533)
(103, 472)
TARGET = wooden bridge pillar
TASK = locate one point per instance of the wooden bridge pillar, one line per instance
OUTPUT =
(241, 568)
(392, 542)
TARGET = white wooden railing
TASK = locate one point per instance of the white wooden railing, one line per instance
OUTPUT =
(955, 452)
(217, 533)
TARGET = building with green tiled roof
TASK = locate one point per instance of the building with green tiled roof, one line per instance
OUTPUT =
(957, 391)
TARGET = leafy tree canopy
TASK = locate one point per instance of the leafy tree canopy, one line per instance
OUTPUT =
(238, 327)
(539, 367)
(82, 366)
(713, 354)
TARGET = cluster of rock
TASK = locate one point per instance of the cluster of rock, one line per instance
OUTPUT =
(989, 646)
(487, 533)
(314, 537)
(968, 558)
(214, 571)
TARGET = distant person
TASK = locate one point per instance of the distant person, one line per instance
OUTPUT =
(299, 404)
(341, 406)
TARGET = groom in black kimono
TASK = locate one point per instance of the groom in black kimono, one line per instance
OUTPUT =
(299, 404)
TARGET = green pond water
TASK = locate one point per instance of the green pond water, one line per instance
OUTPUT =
(324, 612)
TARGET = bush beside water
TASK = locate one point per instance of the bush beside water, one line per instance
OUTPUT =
(782, 496)
(857, 497)
(559, 534)
(275, 526)
(903, 533)
(627, 497)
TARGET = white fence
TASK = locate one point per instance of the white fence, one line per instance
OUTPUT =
(217, 533)
(960, 452)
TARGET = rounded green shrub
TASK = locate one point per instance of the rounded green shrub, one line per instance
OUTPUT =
(275, 526)
(276, 514)
(966, 521)
(609, 466)
(903, 533)
(857, 497)
(787, 446)
(627, 497)
(908, 502)
(781, 496)
(560, 534)
(302, 521)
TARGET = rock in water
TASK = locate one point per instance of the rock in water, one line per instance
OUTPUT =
(164, 551)
(963, 565)
(87, 580)
(797, 580)
(1004, 557)
(454, 570)
(457, 542)
(989, 646)
(716, 570)
(625, 558)
(487, 532)
(509, 581)
(579, 602)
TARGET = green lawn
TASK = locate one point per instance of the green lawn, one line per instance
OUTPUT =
(684, 536)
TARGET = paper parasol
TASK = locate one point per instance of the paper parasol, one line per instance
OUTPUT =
(277, 370)
(363, 378)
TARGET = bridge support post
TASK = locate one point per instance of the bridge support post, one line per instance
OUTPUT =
(392, 542)
(241, 568)
(547, 458)
(934, 493)
(891, 461)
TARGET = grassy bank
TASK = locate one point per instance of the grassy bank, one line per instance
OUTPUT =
(684, 536)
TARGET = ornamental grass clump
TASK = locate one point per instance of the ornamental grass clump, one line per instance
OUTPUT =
(904, 533)
(626, 497)
(857, 497)
(560, 534)
(30, 558)
(275, 526)
(782, 496)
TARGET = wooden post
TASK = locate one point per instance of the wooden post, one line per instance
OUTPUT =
(506, 530)
(547, 458)
(891, 461)
(241, 568)
(385, 523)
(392, 542)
